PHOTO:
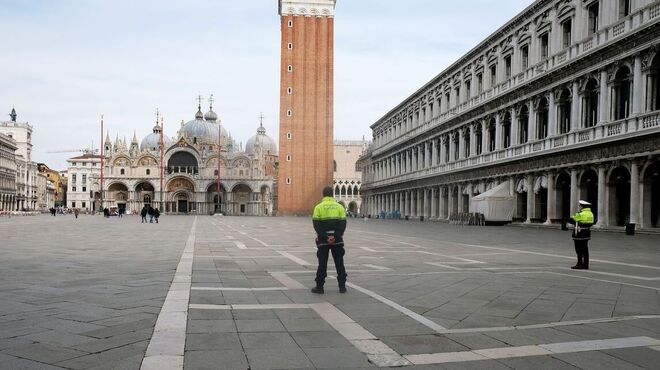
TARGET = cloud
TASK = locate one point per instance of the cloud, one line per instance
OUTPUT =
(68, 61)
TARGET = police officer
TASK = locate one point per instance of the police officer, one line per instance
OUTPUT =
(329, 221)
(583, 221)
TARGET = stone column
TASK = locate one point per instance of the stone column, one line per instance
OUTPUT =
(575, 108)
(434, 155)
(552, 195)
(426, 204)
(602, 188)
(514, 127)
(498, 131)
(531, 124)
(450, 202)
(442, 150)
(441, 204)
(461, 144)
(574, 191)
(460, 199)
(634, 193)
(602, 98)
(530, 198)
(637, 87)
(427, 156)
(484, 137)
(420, 204)
(552, 115)
(434, 204)
(473, 139)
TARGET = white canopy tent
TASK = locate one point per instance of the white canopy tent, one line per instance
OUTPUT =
(496, 204)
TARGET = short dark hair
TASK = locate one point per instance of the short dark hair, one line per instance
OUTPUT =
(327, 191)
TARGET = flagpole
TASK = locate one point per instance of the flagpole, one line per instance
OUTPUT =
(162, 147)
(218, 180)
(102, 164)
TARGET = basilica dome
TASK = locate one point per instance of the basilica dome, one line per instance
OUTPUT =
(200, 131)
(268, 145)
(152, 141)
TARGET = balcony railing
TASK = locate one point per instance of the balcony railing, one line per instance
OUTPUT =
(641, 18)
(637, 125)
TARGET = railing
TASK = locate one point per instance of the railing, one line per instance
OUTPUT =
(182, 169)
(634, 21)
(632, 125)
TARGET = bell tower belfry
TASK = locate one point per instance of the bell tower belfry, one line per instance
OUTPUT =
(306, 103)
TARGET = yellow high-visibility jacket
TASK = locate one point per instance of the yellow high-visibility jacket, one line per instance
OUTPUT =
(329, 219)
(583, 221)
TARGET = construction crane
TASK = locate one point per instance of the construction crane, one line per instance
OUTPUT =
(86, 151)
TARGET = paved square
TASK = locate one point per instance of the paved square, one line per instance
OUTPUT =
(233, 293)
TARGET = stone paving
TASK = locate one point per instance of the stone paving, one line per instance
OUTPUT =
(233, 293)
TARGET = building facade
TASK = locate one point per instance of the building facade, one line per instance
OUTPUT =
(132, 172)
(347, 176)
(306, 103)
(59, 186)
(7, 173)
(26, 169)
(83, 174)
(561, 103)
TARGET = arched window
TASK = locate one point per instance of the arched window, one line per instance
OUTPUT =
(334, 164)
(343, 191)
(506, 130)
(564, 109)
(542, 119)
(466, 142)
(337, 190)
(653, 85)
(122, 171)
(590, 103)
(621, 90)
(491, 135)
(478, 137)
(349, 191)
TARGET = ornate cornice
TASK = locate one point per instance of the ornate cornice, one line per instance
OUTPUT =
(310, 8)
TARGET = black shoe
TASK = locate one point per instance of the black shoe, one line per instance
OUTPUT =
(342, 289)
(577, 267)
(318, 290)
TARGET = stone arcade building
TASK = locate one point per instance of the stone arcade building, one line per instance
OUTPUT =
(562, 102)
(190, 161)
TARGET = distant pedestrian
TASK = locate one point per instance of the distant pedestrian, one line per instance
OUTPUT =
(143, 213)
(120, 213)
(151, 213)
(583, 220)
(156, 214)
(329, 219)
(106, 213)
(76, 212)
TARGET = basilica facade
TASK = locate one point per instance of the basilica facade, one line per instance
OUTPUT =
(561, 103)
(189, 164)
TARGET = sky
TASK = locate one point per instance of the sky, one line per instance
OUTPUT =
(66, 62)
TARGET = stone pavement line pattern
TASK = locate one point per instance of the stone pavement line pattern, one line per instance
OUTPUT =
(167, 344)
(532, 350)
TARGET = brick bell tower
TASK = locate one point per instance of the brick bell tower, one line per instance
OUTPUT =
(306, 104)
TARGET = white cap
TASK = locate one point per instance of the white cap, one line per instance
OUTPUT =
(584, 203)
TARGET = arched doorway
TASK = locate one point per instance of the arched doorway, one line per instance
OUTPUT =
(240, 199)
(216, 201)
(353, 208)
(589, 190)
(619, 196)
(144, 194)
(181, 199)
(563, 192)
(651, 195)
(454, 201)
(118, 196)
(541, 198)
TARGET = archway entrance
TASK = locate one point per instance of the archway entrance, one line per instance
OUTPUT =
(541, 198)
(651, 196)
(521, 200)
(241, 198)
(619, 194)
(589, 190)
(563, 200)
(118, 196)
(352, 207)
(216, 201)
(182, 191)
